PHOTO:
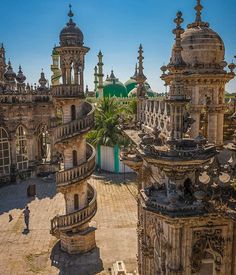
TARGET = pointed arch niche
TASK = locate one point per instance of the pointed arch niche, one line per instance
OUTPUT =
(21, 149)
(5, 160)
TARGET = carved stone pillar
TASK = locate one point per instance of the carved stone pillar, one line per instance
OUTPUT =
(76, 76)
(195, 128)
(220, 128)
(212, 126)
(68, 75)
(63, 72)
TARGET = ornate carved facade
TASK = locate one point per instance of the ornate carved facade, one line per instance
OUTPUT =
(186, 206)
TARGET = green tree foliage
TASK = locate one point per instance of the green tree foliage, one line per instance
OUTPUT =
(108, 116)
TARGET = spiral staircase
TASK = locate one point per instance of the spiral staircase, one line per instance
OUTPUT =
(74, 222)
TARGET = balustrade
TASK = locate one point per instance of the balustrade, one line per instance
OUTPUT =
(78, 218)
(74, 127)
(80, 172)
(70, 90)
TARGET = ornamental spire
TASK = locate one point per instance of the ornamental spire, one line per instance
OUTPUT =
(198, 20)
(70, 14)
(140, 75)
(177, 62)
(141, 78)
(135, 72)
(198, 9)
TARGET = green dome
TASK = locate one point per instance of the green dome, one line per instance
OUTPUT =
(113, 87)
(130, 84)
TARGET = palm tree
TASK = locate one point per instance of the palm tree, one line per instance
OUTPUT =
(107, 119)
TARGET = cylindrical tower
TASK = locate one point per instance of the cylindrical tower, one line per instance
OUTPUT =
(69, 140)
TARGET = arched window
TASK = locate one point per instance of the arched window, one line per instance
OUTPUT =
(4, 153)
(74, 155)
(73, 112)
(21, 149)
(76, 201)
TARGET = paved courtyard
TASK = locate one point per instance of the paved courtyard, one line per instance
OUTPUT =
(38, 252)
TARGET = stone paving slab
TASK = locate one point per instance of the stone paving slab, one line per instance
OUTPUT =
(39, 253)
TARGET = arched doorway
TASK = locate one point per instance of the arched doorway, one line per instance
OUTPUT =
(73, 112)
(74, 156)
(76, 201)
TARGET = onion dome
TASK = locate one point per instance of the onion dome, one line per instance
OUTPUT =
(20, 76)
(9, 74)
(42, 81)
(112, 87)
(71, 35)
(201, 45)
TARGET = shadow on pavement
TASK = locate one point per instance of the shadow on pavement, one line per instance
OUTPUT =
(83, 264)
(15, 195)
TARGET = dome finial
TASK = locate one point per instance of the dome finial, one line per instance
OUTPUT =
(70, 13)
(198, 9)
(198, 20)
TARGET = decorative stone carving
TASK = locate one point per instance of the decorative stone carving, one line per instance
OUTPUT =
(205, 242)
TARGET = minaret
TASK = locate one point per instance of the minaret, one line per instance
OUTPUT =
(100, 74)
(95, 79)
(73, 228)
(2, 63)
(140, 78)
(55, 78)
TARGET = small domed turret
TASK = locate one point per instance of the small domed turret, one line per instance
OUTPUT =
(71, 35)
(20, 76)
(10, 75)
(42, 81)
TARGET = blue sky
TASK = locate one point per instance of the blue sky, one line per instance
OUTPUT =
(30, 28)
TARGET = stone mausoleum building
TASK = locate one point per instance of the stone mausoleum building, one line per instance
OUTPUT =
(43, 129)
(187, 196)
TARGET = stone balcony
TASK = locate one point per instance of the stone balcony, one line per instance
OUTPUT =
(67, 91)
(78, 173)
(76, 219)
(75, 127)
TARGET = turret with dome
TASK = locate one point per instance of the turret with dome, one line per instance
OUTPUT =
(203, 78)
(202, 47)
(71, 35)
